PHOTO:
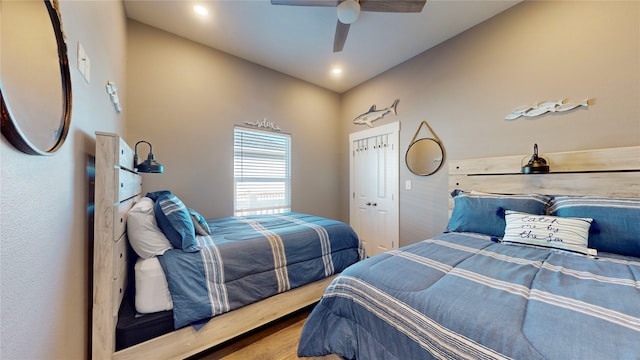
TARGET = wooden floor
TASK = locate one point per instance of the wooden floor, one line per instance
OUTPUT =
(278, 341)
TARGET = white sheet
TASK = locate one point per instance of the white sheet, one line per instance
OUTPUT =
(152, 291)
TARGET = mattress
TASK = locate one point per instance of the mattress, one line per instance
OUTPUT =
(152, 292)
(133, 328)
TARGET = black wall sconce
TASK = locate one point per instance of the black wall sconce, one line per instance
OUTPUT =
(150, 165)
(537, 164)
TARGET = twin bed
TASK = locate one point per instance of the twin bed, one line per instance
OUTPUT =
(197, 282)
(558, 279)
(463, 294)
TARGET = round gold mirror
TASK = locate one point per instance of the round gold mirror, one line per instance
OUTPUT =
(35, 84)
(424, 157)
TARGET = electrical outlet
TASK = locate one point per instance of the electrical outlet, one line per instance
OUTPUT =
(84, 63)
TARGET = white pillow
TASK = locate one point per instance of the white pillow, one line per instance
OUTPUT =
(571, 234)
(145, 237)
(152, 290)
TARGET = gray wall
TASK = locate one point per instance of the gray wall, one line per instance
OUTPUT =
(536, 51)
(179, 95)
(44, 231)
(185, 99)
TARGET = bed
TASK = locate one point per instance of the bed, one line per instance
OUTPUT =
(168, 284)
(531, 267)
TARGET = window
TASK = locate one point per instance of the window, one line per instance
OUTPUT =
(262, 176)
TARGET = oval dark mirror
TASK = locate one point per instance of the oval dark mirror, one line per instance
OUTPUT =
(424, 156)
(35, 84)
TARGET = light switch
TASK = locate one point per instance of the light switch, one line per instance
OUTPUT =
(84, 63)
(112, 90)
(407, 185)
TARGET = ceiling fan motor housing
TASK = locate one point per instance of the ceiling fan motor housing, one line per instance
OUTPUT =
(348, 11)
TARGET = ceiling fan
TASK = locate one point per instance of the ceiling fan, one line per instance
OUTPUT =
(348, 11)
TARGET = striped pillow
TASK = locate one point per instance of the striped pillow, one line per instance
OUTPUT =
(199, 223)
(570, 234)
(175, 222)
(617, 221)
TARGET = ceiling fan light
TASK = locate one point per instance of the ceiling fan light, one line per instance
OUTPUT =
(348, 11)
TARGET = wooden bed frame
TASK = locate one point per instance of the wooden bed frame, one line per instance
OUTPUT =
(117, 188)
(611, 172)
(604, 172)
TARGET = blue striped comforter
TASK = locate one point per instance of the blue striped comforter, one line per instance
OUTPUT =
(248, 259)
(461, 296)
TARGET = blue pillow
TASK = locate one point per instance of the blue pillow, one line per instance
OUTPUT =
(199, 223)
(154, 195)
(175, 222)
(483, 213)
(617, 221)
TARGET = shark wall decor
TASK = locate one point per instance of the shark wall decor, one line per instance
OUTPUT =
(531, 111)
(374, 114)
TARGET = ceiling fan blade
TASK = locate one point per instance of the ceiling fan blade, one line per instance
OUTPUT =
(398, 6)
(341, 36)
(331, 3)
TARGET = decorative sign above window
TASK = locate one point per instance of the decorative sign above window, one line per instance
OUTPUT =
(531, 111)
(264, 124)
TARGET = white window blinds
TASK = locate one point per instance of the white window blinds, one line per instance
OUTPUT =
(262, 175)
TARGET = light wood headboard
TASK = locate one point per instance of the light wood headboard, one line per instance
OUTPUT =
(120, 187)
(604, 172)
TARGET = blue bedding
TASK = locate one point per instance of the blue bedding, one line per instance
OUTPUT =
(462, 296)
(251, 258)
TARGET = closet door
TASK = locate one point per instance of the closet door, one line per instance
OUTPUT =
(374, 178)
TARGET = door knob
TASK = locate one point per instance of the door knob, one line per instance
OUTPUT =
(368, 203)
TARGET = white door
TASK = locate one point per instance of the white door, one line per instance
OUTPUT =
(374, 178)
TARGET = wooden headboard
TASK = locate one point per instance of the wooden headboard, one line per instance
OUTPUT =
(120, 187)
(604, 172)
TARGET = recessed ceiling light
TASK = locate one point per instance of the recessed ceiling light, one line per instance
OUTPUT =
(336, 71)
(200, 10)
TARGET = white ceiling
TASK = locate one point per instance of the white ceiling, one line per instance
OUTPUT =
(298, 40)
